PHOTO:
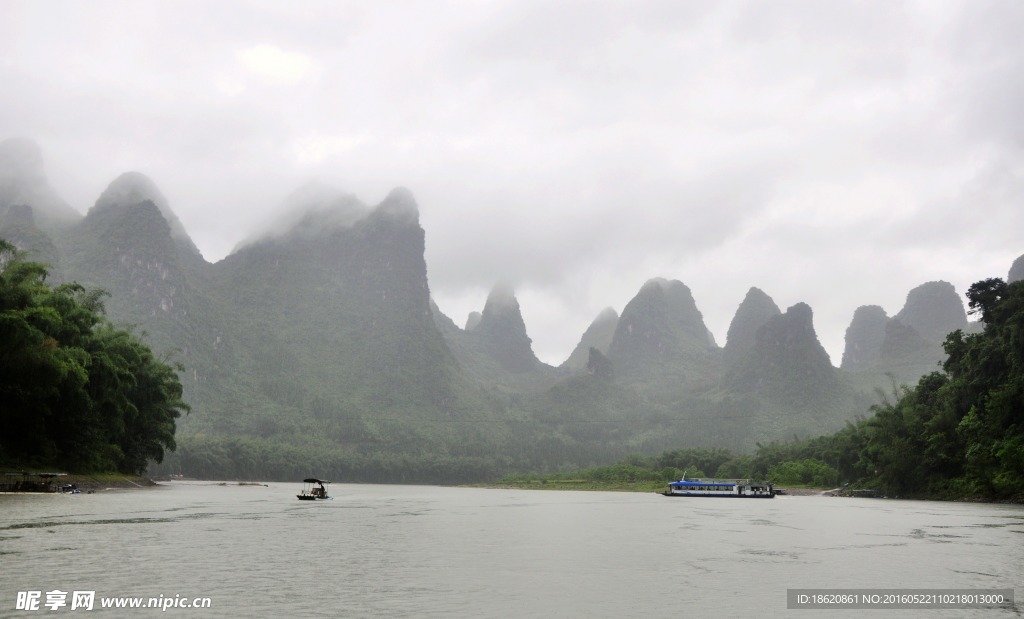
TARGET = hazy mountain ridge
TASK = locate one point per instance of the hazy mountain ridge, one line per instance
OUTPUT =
(152, 279)
(786, 363)
(133, 188)
(494, 348)
(933, 309)
(502, 332)
(18, 226)
(598, 336)
(23, 181)
(320, 342)
(864, 338)
(345, 288)
(908, 344)
(754, 311)
(1016, 271)
(308, 208)
(661, 334)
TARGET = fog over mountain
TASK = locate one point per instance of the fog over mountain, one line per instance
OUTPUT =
(321, 341)
(1016, 270)
(833, 154)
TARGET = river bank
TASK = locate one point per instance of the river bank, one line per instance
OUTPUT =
(624, 486)
(107, 481)
(94, 482)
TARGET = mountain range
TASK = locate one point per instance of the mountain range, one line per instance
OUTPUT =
(317, 347)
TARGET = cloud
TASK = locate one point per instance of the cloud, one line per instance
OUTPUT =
(315, 149)
(837, 154)
(272, 63)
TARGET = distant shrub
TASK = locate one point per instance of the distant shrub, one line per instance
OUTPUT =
(805, 472)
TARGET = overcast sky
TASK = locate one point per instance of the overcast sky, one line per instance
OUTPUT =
(835, 153)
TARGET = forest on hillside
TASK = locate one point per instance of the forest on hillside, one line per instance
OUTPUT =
(75, 391)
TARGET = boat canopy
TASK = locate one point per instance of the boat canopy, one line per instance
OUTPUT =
(311, 480)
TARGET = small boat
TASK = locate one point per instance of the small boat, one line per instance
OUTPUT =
(313, 489)
(731, 488)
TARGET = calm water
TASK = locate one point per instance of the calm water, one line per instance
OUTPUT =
(414, 551)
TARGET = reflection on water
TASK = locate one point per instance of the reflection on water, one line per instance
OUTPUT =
(457, 552)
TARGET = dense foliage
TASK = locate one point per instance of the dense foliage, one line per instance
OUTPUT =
(75, 391)
(958, 433)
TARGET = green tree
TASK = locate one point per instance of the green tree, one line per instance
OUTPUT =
(807, 471)
(987, 375)
(75, 391)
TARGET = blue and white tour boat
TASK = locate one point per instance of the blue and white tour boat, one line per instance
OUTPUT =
(732, 488)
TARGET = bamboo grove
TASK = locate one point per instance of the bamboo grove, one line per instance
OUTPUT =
(75, 391)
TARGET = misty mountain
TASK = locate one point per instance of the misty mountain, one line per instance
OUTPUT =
(933, 309)
(133, 188)
(348, 301)
(130, 250)
(128, 247)
(18, 226)
(756, 309)
(661, 336)
(597, 336)
(315, 346)
(864, 338)
(494, 349)
(909, 344)
(501, 332)
(787, 364)
(903, 342)
(307, 208)
(1016, 270)
(23, 182)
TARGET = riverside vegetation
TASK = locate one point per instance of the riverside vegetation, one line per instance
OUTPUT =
(957, 434)
(76, 392)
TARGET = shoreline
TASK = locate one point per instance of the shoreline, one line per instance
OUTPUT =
(108, 481)
(639, 487)
(105, 481)
(807, 491)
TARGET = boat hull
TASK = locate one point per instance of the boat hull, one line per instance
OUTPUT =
(718, 496)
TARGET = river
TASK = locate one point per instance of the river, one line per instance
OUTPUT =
(424, 551)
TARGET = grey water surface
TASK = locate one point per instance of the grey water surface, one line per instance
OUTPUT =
(424, 551)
